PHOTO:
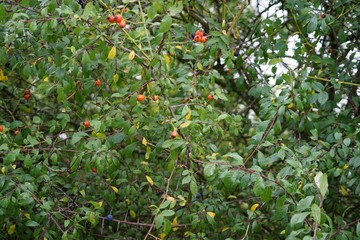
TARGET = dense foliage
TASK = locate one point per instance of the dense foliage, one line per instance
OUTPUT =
(251, 132)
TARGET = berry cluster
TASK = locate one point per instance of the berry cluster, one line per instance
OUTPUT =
(117, 19)
(199, 36)
(27, 94)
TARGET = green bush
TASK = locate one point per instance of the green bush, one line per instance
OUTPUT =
(273, 153)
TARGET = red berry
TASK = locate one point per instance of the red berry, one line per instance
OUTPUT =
(111, 19)
(27, 96)
(210, 97)
(140, 97)
(27, 91)
(118, 18)
(199, 33)
(86, 124)
(97, 83)
(122, 24)
(1, 128)
(203, 39)
(174, 134)
(94, 170)
(323, 15)
(197, 38)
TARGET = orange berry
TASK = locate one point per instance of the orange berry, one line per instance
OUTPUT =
(118, 18)
(98, 83)
(111, 19)
(140, 97)
(1, 128)
(199, 33)
(86, 124)
(203, 39)
(122, 24)
(197, 38)
(174, 134)
(16, 132)
(210, 97)
(27, 96)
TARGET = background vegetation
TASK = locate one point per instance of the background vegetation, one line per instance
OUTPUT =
(275, 154)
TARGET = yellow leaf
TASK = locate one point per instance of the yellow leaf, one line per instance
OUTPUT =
(131, 55)
(184, 125)
(178, 47)
(144, 163)
(174, 223)
(116, 78)
(162, 235)
(11, 229)
(170, 199)
(46, 79)
(138, 125)
(13, 166)
(112, 52)
(100, 203)
(232, 197)
(2, 77)
(188, 116)
(211, 214)
(148, 152)
(3, 170)
(224, 229)
(116, 190)
(27, 215)
(132, 214)
(290, 105)
(167, 59)
(344, 191)
(144, 141)
(345, 166)
(150, 181)
(254, 207)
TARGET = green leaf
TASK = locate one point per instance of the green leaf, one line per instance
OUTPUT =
(275, 61)
(76, 137)
(266, 195)
(31, 223)
(168, 213)
(312, 25)
(236, 156)
(259, 187)
(316, 213)
(176, 9)
(219, 94)
(323, 97)
(304, 203)
(193, 187)
(165, 24)
(159, 219)
(298, 218)
(321, 182)
(89, 10)
(209, 169)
